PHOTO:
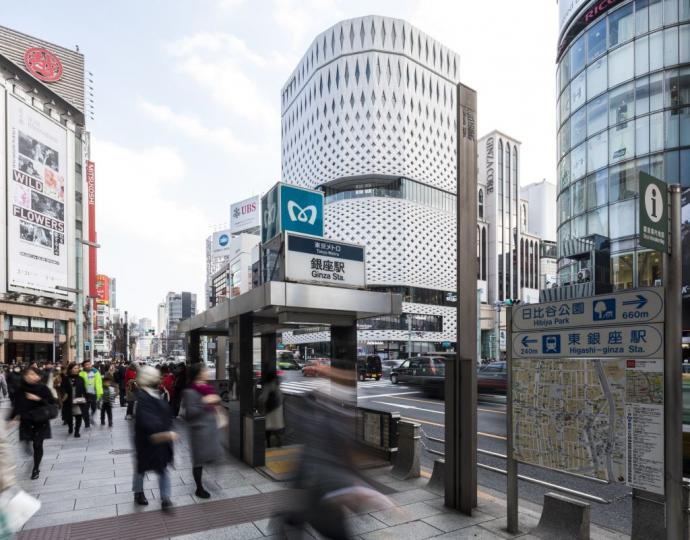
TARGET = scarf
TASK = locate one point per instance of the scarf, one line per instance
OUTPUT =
(204, 389)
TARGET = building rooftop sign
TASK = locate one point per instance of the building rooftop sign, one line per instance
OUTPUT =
(43, 64)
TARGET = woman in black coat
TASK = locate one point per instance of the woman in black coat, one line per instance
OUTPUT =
(153, 436)
(35, 405)
(74, 389)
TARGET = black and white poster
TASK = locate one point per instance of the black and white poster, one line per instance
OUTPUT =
(37, 213)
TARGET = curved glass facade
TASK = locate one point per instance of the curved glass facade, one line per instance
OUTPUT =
(623, 107)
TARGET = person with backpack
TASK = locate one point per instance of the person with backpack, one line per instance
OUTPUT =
(200, 402)
(35, 406)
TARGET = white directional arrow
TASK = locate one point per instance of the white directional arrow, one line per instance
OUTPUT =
(398, 405)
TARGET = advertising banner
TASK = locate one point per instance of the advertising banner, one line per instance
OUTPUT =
(245, 215)
(37, 213)
(221, 243)
(102, 289)
(91, 189)
(324, 262)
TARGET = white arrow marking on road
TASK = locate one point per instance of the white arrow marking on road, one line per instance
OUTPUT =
(386, 395)
(408, 407)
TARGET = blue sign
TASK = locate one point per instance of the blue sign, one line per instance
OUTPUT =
(291, 208)
(551, 344)
(223, 240)
(604, 309)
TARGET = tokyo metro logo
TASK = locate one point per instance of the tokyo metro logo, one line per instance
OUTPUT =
(308, 214)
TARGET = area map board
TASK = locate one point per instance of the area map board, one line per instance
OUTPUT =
(588, 387)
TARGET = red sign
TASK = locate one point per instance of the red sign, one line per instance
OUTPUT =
(43, 64)
(91, 189)
(102, 289)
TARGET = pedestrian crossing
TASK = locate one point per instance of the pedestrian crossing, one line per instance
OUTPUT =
(303, 386)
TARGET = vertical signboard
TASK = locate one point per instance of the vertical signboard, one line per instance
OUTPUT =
(653, 212)
(37, 210)
(269, 215)
(291, 208)
(102, 290)
(91, 192)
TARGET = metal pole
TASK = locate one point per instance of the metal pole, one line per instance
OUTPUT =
(91, 316)
(497, 350)
(673, 420)
(409, 335)
(79, 304)
(126, 340)
(511, 464)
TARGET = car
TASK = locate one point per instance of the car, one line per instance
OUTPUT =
(387, 366)
(369, 367)
(286, 360)
(314, 365)
(493, 378)
(429, 372)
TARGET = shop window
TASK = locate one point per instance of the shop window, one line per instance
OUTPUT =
(621, 25)
(622, 271)
(597, 189)
(597, 77)
(596, 40)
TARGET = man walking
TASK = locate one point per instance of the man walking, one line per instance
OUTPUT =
(94, 388)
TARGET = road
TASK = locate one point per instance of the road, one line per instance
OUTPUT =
(412, 404)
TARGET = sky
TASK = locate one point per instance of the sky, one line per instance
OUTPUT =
(187, 107)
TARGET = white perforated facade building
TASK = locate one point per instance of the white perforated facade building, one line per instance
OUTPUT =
(368, 116)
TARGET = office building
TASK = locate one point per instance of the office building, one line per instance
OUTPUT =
(178, 306)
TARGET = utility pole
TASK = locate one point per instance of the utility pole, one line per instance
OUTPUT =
(497, 350)
(126, 340)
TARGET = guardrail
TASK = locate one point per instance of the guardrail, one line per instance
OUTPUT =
(529, 479)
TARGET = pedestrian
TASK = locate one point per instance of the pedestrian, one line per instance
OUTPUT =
(74, 406)
(14, 381)
(153, 437)
(131, 389)
(120, 380)
(200, 403)
(3, 384)
(271, 401)
(109, 400)
(178, 388)
(35, 405)
(93, 381)
(167, 384)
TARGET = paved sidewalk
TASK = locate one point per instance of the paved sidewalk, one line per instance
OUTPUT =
(85, 488)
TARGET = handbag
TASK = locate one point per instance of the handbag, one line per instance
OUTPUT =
(79, 401)
(16, 508)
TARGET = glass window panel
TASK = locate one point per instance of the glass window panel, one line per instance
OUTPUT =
(670, 11)
(648, 268)
(685, 168)
(578, 162)
(564, 172)
(622, 219)
(622, 142)
(622, 104)
(671, 164)
(579, 227)
(671, 46)
(565, 104)
(578, 127)
(684, 121)
(564, 205)
(656, 11)
(656, 51)
(597, 151)
(642, 95)
(578, 94)
(641, 56)
(621, 271)
(656, 92)
(622, 182)
(641, 16)
(597, 115)
(621, 25)
(656, 166)
(597, 188)
(578, 199)
(672, 129)
(621, 64)
(684, 52)
(596, 40)
(565, 70)
(577, 56)
(597, 77)
(564, 139)
(642, 135)
(684, 10)
(563, 232)
(598, 221)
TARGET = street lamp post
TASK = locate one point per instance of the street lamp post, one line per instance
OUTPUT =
(497, 350)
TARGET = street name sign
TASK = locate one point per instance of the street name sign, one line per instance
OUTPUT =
(637, 306)
(653, 212)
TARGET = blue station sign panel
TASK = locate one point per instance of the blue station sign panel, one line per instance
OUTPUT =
(291, 208)
(632, 307)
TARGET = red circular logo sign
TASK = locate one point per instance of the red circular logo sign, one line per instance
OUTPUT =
(43, 64)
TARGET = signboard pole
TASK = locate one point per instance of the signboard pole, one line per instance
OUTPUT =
(673, 420)
(511, 464)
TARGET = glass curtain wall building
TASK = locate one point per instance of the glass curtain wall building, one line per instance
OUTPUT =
(623, 82)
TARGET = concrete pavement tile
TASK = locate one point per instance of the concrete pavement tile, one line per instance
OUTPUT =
(271, 486)
(71, 517)
(95, 482)
(470, 533)
(63, 505)
(498, 526)
(254, 477)
(154, 504)
(413, 495)
(176, 490)
(235, 481)
(416, 530)
(452, 521)
(226, 493)
(363, 523)
(403, 514)
(36, 486)
(406, 485)
(99, 492)
(243, 531)
(115, 498)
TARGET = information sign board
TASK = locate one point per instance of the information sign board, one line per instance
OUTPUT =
(653, 212)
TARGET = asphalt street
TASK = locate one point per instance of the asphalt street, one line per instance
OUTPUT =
(412, 404)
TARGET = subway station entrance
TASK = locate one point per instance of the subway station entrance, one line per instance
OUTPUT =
(264, 312)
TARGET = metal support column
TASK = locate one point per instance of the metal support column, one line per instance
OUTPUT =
(269, 343)
(511, 464)
(245, 327)
(673, 404)
(193, 347)
(461, 379)
(344, 348)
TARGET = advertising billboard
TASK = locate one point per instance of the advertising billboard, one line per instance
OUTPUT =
(37, 209)
(91, 192)
(245, 215)
(102, 289)
(221, 243)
